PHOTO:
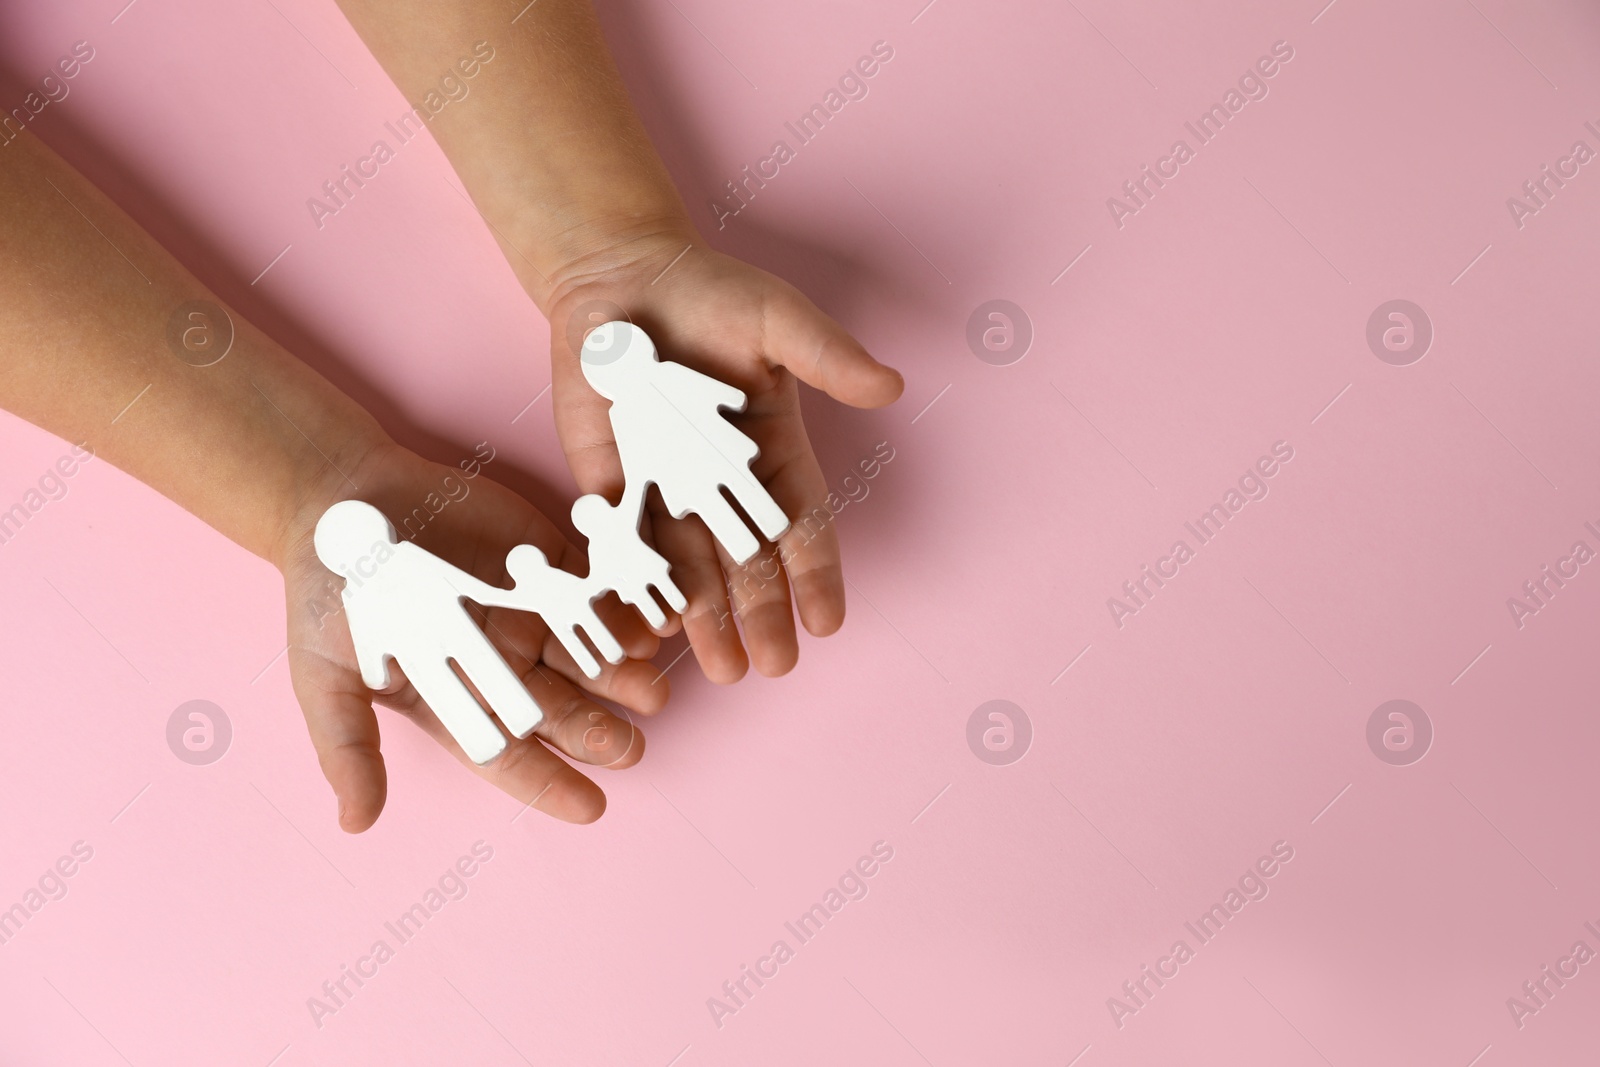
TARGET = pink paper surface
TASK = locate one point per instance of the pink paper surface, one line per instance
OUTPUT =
(1170, 748)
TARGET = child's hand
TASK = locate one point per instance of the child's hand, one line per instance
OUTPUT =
(474, 530)
(745, 327)
(253, 443)
(553, 156)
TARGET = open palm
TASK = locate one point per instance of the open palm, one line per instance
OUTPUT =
(747, 328)
(474, 528)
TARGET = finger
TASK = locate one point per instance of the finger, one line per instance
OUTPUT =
(526, 771)
(640, 638)
(530, 648)
(629, 683)
(707, 618)
(583, 424)
(637, 639)
(766, 615)
(344, 733)
(531, 773)
(797, 335)
(809, 549)
(523, 634)
(581, 729)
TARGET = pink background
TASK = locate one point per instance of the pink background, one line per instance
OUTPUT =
(1224, 717)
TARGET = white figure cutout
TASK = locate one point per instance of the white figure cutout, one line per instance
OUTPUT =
(404, 603)
(564, 601)
(619, 560)
(670, 432)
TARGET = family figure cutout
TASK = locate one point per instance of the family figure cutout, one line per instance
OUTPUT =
(670, 433)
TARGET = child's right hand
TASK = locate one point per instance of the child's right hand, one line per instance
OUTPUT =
(252, 441)
(475, 532)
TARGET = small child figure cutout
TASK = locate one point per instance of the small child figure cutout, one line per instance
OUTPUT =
(619, 560)
(564, 601)
(670, 432)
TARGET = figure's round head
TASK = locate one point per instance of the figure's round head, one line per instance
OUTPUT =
(613, 351)
(589, 514)
(347, 531)
(525, 560)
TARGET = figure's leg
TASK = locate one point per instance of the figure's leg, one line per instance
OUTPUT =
(568, 636)
(646, 568)
(669, 590)
(454, 705)
(726, 525)
(503, 690)
(603, 638)
(768, 516)
(640, 598)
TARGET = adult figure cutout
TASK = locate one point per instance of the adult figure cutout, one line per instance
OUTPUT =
(404, 603)
(670, 431)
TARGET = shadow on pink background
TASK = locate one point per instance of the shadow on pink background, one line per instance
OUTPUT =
(1150, 755)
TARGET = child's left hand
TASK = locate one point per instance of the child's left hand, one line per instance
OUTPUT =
(745, 327)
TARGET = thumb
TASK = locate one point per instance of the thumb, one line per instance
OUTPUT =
(821, 353)
(583, 425)
(344, 732)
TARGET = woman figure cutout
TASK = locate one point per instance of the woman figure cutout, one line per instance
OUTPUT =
(670, 432)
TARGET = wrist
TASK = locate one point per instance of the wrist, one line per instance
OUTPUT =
(598, 250)
(321, 484)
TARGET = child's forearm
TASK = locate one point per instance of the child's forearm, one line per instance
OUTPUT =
(547, 143)
(258, 445)
(545, 140)
(87, 300)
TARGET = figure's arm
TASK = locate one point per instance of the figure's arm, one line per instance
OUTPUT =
(481, 593)
(371, 659)
(688, 386)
